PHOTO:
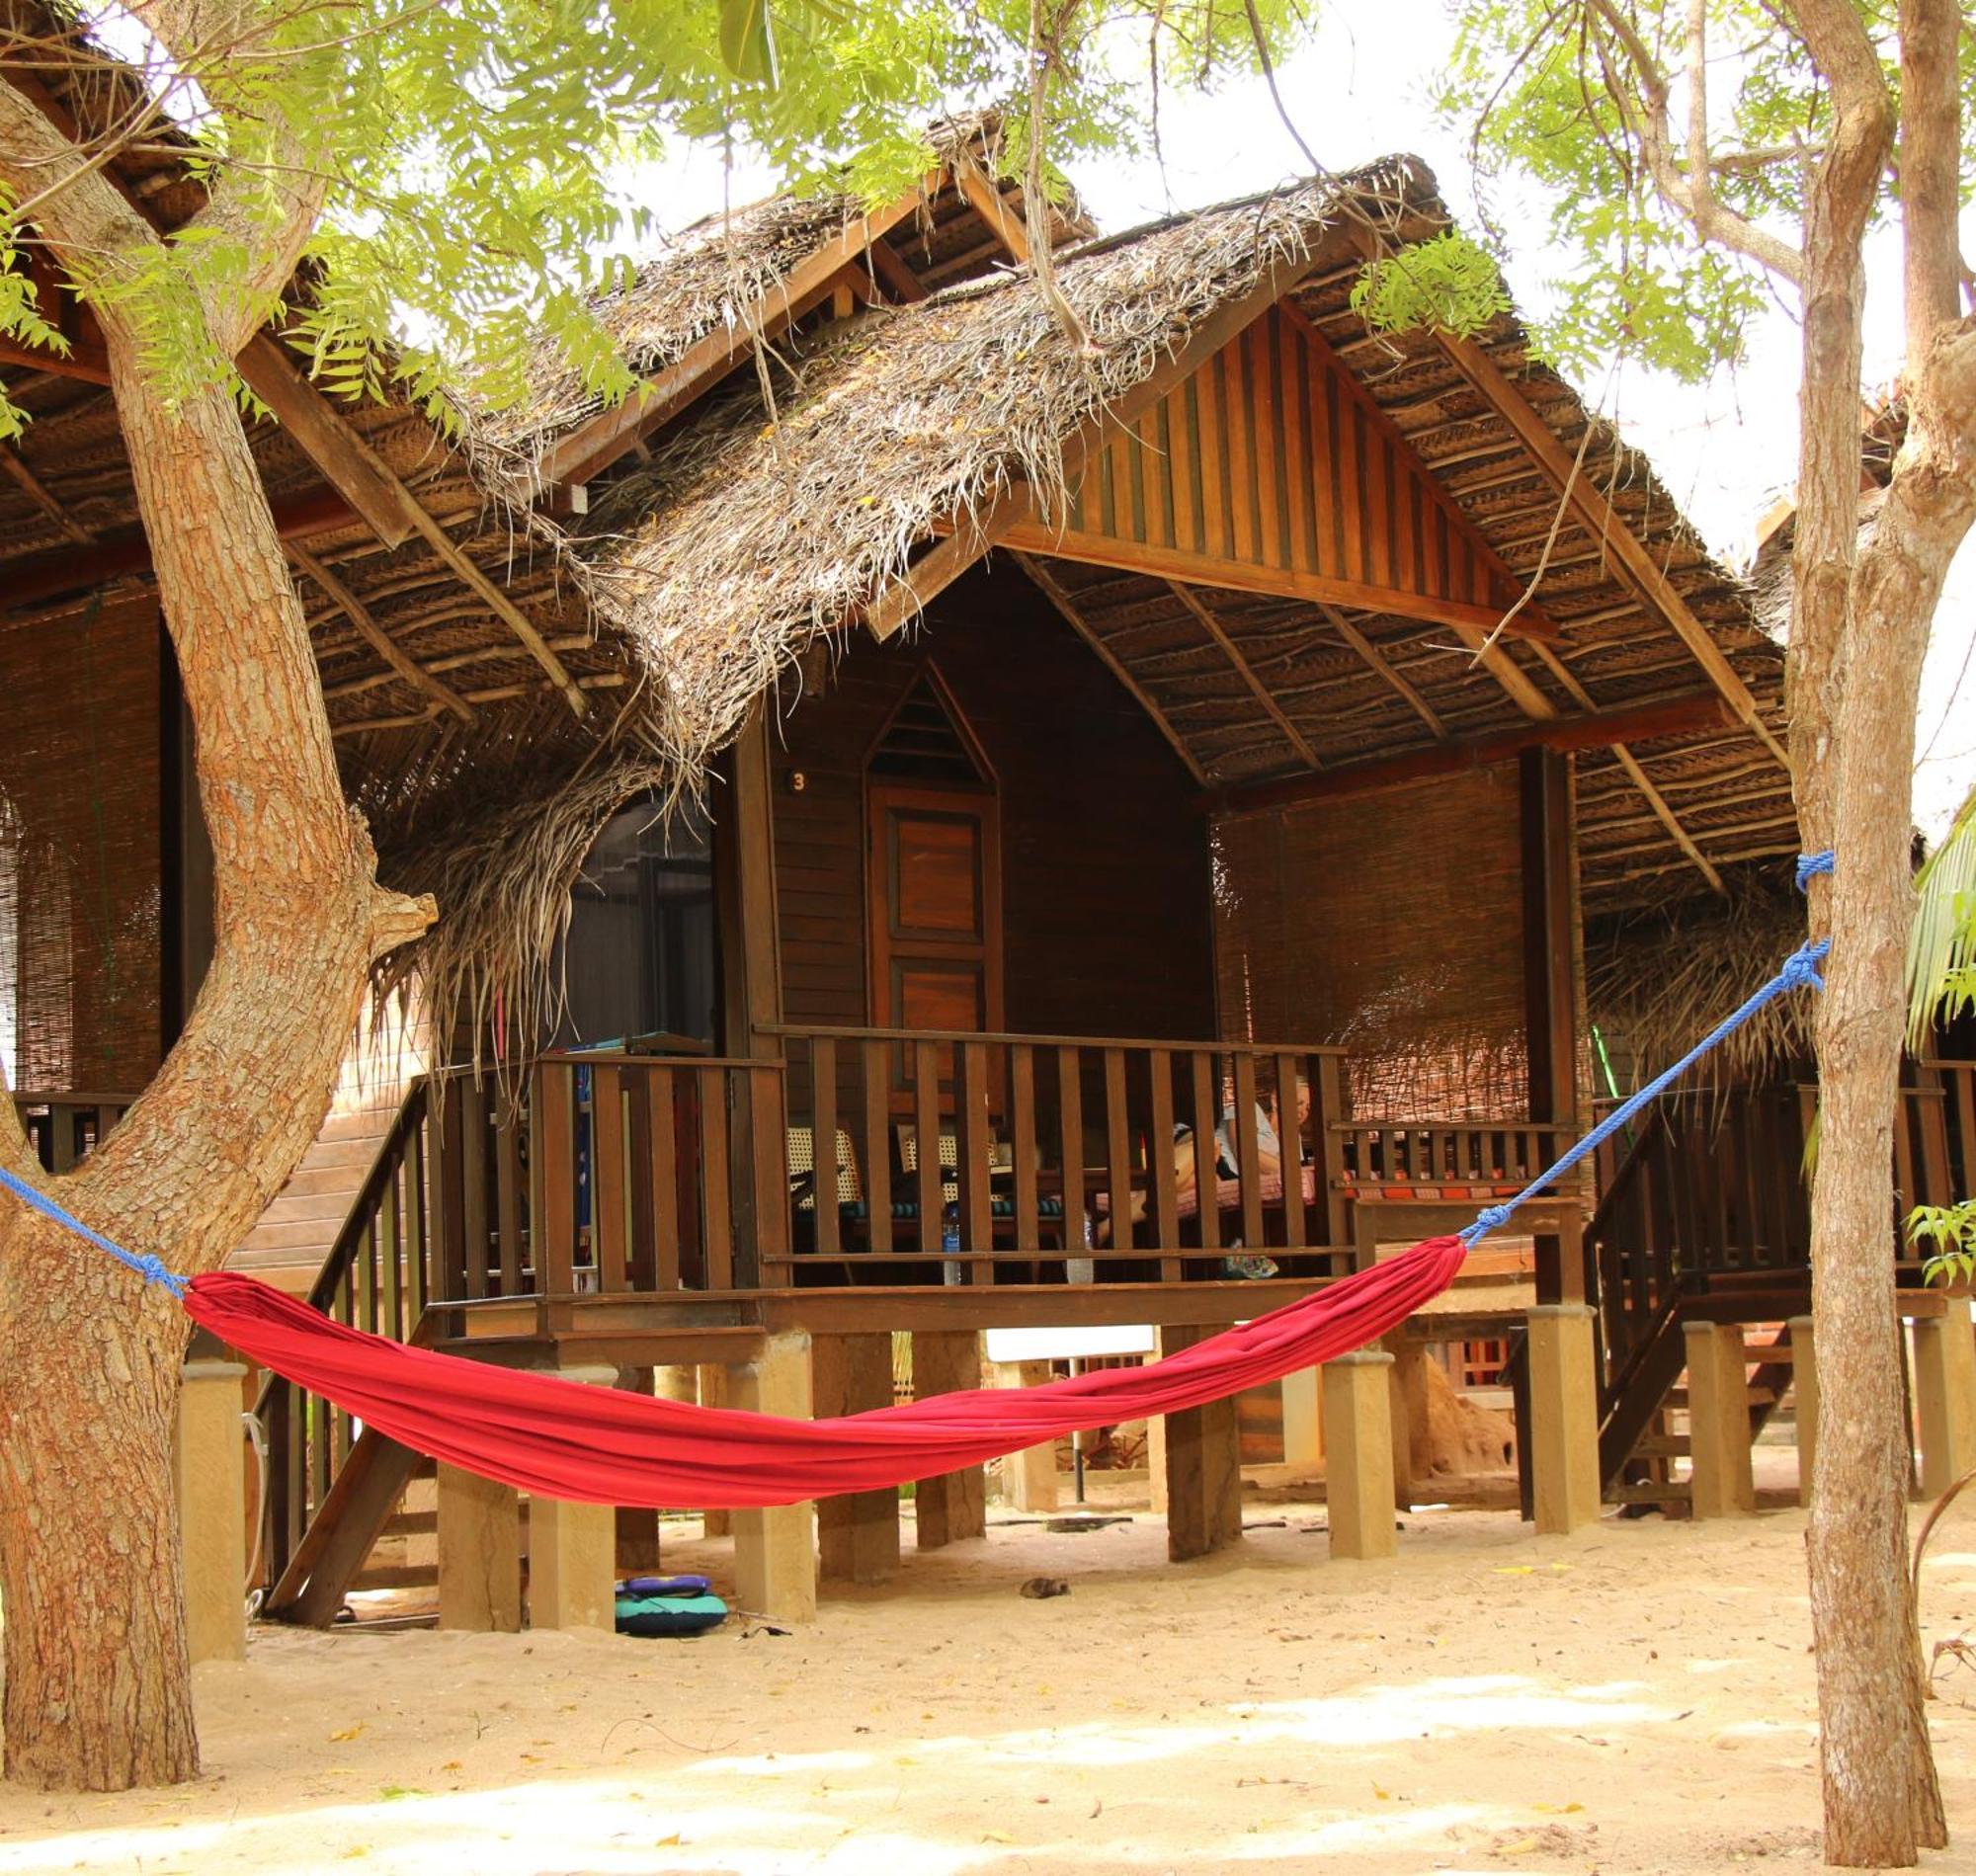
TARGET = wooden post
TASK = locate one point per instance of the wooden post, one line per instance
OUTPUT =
(1550, 993)
(774, 1547)
(1412, 1438)
(1200, 1460)
(856, 1533)
(637, 1524)
(1358, 1453)
(211, 1480)
(1562, 1424)
(1719, 1420)
(1029, 1477)
(573, 1550)
(954, 1505)
(479, 1553)
(1945, 1375)
(1804, 1402)
(752, 988)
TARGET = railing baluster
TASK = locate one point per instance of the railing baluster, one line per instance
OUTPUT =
(391, 1230)
(1206, 1171)
(1930, 1101)
(552, 1175)
(1024, 1145)
(1161, 1175)
(823, 1143)
(1070, 1144)
(1290, 1136)
(977, 1204)
(1248, 1150)
(511, 1189)
(716, 1189)
(610, 1197)
(368, 1261)
(473, 1099)
(662, 1161)
(874, 1142)
(1118, 1150)
(1327, 1107)
(925, 1141)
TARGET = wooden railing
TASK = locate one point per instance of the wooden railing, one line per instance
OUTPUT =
(1054, 1158)
(379, 1276)
(63, 1126)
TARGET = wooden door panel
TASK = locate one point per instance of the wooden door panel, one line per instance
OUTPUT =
(934, 917)
(933, 862)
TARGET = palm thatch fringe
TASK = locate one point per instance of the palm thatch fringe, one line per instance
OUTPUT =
(1657, 980)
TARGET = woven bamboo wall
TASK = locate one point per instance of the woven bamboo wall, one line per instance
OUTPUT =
(1391, 924)
(80, 857)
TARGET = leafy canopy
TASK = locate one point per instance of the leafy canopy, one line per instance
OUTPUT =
(1587, 104)
(471, 155)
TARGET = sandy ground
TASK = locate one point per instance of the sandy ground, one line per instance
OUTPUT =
(1637, 1698)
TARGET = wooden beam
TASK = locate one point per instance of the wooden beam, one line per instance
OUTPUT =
(1550, 983)
(1371, 653)
(348, 463)
(1076, 621)
(1215, 630)
(1673, 716)
(1476, 623)
(37, 493)
(600, 440)
(90, 363)
(122, 551)
(1627, 760)
(1640, 569)
(892, 273)
(986, 198)
(374, 489)
(376, 637)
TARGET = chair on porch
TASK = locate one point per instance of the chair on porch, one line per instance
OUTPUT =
(1001, 1175)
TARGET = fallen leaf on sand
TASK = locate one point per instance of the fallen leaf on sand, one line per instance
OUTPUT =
(348, 1732)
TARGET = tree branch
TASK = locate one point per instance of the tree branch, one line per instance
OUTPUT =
(1688, 191)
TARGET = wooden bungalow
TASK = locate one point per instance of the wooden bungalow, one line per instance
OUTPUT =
(887, 780)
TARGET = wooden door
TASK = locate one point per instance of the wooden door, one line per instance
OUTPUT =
(934, 916)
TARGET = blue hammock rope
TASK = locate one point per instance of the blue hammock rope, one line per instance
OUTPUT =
(1798, 970)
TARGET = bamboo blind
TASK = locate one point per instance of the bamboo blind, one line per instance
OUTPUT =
(1392, 924)
(81, 857)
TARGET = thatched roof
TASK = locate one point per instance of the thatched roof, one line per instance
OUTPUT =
(749, 537)
(723, 546)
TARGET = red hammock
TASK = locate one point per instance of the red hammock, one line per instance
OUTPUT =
(600, 1445)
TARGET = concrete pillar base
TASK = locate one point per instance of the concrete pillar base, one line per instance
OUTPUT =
(1945, 1375)
(1198, 1463)
(1358, 1453)
(774, 1547)
(1804, 1402)
(212, 1482)
(1029, 1477)
(857, 1533)
(573, 1551)
(954, 1505)
(1563, 1432)
(1303, 1421)
(1723, 1483)
(711, 1386)
(479, 1553)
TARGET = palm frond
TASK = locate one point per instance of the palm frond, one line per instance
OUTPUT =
(1942, 943)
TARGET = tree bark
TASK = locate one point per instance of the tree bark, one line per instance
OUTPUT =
(1860, 626)
(96, 1692)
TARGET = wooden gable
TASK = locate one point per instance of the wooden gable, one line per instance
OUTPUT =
(1270, 469)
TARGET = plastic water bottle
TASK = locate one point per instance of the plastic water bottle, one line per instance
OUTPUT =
(949, 1227)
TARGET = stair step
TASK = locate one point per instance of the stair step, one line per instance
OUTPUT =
(1647, 1495)
(1677, 1397)
(413, 1524)
(1662, 1447)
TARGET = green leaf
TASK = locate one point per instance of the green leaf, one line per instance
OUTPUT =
(748, 43)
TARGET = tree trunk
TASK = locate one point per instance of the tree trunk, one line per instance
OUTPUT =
(97, 1696)
(97, 1689)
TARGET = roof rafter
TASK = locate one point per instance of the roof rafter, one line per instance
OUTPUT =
(1218, 632)
(1055, 592)
(376, 637)
(1373, 657)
